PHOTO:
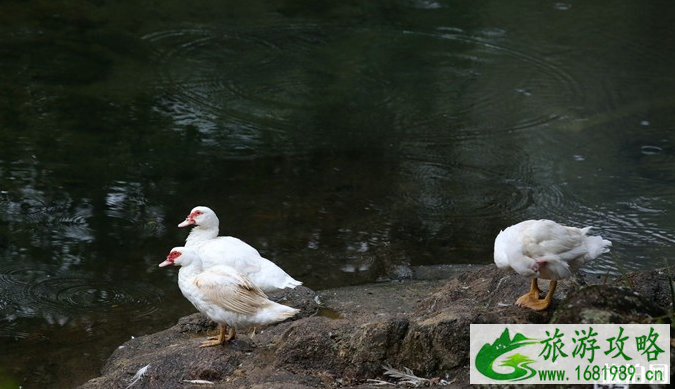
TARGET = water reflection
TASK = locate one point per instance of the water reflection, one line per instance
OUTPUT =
(347, 141)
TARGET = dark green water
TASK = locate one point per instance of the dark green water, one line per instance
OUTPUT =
(346, 140)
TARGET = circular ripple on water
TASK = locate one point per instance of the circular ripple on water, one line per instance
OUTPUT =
(438, 191)
(480, 178)
(67, 295)
(273, 84)
(13, 273)
(653, 163)
(16, 301)
(234, 86)
(489, 86)
(59, 220)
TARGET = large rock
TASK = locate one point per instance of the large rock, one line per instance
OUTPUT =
(347, 338)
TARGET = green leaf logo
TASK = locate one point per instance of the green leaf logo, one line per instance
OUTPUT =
(489, 353)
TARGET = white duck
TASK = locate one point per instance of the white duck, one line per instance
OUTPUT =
(227, 250)
(548, 250)
(224, 296)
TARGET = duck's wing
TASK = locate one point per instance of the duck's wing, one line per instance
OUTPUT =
(548, 239)
(231, 292)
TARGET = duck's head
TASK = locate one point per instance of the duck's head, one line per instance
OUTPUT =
(201, 216)
(525, 266)
(181, 256)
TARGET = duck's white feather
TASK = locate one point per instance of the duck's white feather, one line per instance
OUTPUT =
(217, 250)
(546, 249)
(225, 295)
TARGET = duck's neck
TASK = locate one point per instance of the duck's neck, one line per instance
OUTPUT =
(186, 273)
(200, 234)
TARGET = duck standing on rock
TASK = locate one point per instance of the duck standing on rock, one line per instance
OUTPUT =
(224, 296)
(548, 250)
(227, 250)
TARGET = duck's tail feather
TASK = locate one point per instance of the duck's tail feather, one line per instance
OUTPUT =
(291, 283)
(596, 246)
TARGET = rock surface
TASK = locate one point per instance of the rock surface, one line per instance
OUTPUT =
(343, 337)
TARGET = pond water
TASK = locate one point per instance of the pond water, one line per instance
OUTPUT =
(348, 141)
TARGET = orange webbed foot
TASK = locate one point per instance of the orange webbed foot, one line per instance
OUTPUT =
(531, 299)
(221, 338)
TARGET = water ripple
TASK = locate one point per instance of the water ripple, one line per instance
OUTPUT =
(57, 299)
(209, 79)
(58, 220)
(78, 294)
(491, 90)
(266, 85)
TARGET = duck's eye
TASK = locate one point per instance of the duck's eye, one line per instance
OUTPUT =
(198, 212)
